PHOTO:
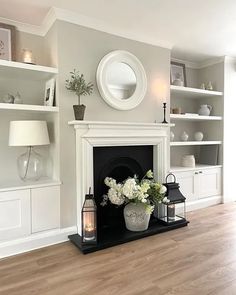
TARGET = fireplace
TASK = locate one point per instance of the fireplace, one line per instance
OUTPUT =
(119, 163)
(118, 150)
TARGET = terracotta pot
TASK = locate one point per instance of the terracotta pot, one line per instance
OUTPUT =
(79, 111)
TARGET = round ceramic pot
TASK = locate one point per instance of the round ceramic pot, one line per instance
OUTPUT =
(198, 136)
(188, 161)
(136, 217)
(205, 110)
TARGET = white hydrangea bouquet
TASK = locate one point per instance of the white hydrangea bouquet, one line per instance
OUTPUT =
(146, 191)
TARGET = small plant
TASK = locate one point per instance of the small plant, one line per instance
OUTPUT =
(77, 84)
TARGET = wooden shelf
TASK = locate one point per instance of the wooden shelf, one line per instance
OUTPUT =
(197, 167)
(194, 118)
(193, 92)
(20, 185)
(21, 71)
(27, 107)
(185, 143)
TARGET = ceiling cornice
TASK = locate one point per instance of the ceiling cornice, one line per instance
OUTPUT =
(78, 19)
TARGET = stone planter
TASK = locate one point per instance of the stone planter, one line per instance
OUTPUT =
(79, 111)
(136, 217)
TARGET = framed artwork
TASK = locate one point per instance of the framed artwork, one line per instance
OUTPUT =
(178, 74)
(49, 92)
(7, 42)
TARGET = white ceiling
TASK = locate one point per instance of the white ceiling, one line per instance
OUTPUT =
(197, 29)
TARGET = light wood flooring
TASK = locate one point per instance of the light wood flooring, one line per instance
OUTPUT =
(199, 259)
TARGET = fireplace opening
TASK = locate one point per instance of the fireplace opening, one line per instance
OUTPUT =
(119, 162)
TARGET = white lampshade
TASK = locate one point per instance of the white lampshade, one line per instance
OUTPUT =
(28, 133)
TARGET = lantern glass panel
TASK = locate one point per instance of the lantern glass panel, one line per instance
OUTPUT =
(172, 212)
(89, 220)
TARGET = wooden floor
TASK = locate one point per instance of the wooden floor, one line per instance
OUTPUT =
(199, 259)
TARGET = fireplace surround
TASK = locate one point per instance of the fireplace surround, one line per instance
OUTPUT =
(127, 141)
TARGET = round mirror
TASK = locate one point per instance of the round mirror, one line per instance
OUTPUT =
(121, 80)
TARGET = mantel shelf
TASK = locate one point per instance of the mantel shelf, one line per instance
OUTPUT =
(194, 118)
(18, 70)
(184, 143)
(193, 92)
(27, 107)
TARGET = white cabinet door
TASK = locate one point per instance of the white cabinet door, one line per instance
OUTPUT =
(14, 214)
(45, 208)
(209, 182)
(187, 184)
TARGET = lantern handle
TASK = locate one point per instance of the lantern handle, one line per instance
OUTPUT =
(170, 174)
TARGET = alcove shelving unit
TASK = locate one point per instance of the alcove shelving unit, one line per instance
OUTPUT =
(201, 184)
(28, 208)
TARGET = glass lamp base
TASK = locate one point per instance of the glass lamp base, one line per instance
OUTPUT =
(30, 165)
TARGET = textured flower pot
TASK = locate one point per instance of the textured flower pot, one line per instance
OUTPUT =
(79, 111)
(136, 217)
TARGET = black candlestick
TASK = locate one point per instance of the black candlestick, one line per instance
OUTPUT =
(164, 108)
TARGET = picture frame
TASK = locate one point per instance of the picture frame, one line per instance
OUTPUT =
(178, 74)
(7, 42)
(49, 92)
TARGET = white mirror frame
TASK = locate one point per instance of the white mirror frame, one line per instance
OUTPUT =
(141, 85)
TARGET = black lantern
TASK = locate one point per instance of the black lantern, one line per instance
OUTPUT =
(174, 211)
(89, 220)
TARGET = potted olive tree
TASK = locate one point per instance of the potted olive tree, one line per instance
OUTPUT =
(77, 84)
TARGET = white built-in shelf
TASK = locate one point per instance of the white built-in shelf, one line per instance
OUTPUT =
(197, 167)
(27, 107)
(184, 143)
(194, 118)
(193, 92)
(18, 70)
(20, 185)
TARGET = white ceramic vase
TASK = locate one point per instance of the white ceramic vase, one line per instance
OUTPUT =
(205, 110)
(136, 217)
(172, 136)
(184, 136)
(188, 161)
(198, 136)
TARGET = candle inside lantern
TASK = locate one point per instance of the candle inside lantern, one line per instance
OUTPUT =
(171, 212)
(89, 226)
(27, 56)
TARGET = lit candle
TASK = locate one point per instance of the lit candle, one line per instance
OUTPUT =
(27, 56)
(89, 227)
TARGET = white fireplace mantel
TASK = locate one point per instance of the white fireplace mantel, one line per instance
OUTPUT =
(90, 134)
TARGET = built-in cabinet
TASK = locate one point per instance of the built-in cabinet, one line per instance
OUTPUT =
(205, 180)
(28, 208)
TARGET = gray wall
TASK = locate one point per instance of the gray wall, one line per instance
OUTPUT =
(82, 48)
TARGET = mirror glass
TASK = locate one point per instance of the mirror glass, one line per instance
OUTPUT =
(121, 80)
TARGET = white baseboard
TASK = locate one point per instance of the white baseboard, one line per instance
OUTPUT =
(36, 241)
(203, 203)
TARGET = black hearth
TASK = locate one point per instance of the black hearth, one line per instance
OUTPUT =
(119, 162)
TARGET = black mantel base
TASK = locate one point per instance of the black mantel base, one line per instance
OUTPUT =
(111, 238)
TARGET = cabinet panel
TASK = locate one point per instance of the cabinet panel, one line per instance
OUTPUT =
(45, 208)
(187, 184)
(14, 214)
(209, 183)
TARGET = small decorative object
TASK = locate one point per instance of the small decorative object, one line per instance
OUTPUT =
(173, 210)
(49, 92)
(29, 134)
(27, 56)
(184, 136)
(178, 74)
(7, 42)
(203, 86)
(177, 111)
(18, 99)
(89, 220)
(172, 136)
(188, 161)
(164, 109)
(198, 136)
(205, 110)
(78, 85)
(209, 86)
(138, 196)
(8, 98)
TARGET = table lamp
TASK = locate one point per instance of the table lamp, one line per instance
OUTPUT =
(29, 134)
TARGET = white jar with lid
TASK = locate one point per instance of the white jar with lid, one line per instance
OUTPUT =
(188, 161)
